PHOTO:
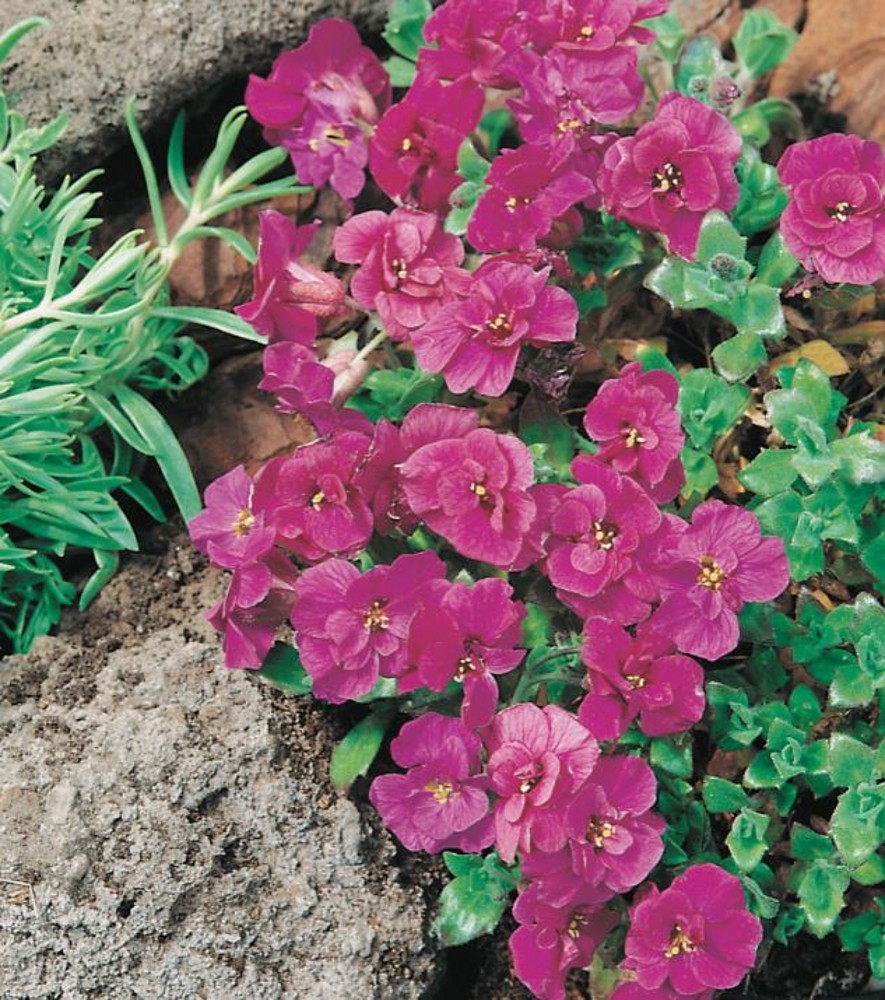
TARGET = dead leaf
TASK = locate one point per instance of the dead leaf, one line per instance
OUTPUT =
(847, 39)
(821, 352)
(860, 333)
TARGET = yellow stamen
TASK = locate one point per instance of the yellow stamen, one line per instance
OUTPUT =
(680, 944)
(243, 523)
(668, 178)
(400, 269)
(604, 535)
(712, 574)
(598, 832)
(376, 618)
(636, 681)
(316, 501)
(841, 211)
(633, 438)
(406, 144)
(499, 326)
(440, 790)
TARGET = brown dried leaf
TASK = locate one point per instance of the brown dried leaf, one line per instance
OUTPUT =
(821, 352)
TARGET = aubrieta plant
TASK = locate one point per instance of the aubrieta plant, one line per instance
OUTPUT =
(84, 339)
(641, 695)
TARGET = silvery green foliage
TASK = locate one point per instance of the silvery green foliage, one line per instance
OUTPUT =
(85, 338)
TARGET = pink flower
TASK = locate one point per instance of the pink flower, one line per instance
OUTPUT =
(553, 939)
(258, 600)
(601, 538)
(441, 801)
(474, 492)
(413, 153)
(379, 477)
(313, 501)
(352, 628)
(835, 221)
(229, 530)
(287, 297)
(634, 418)
(408, 266)
(675, 169)
(316, 101)
(475, 343)
(629, 677)
(538, 759)
(695, 936)
(564, 96)
(713, 567)
(529, 188)
(474, 38)
(466, 634)
(301, 384)
(614, 840)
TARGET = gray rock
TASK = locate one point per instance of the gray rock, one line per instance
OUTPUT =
(98, 53)
(168, 826)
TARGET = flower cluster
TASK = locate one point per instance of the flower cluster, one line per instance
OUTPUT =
(447, 553)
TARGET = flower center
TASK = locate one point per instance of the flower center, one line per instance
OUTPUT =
(499, 326)
(316, 501)
(680, 944)
(568, 125)
(376, 618)
(440, 790)
(585, 33)
(243, 523)
(399, 268)
(632, 437)
(482, 494)
(512, 202)
(331, 133)
(463, 667)
(528, 781)
(636, 681)
(712, 574)
(604, 534)
(576, 922)
(668, 178)
(598, 831)
(841, 211)
(406, 144)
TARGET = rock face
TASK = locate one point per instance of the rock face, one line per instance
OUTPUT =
(168, 827)
(97, 53)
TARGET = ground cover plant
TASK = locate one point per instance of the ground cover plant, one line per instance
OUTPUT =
(85, 337)
(617, 602)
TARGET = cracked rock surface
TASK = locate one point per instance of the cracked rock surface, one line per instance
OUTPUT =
(168, 827)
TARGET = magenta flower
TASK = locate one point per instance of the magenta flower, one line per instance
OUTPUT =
(475, 343)
(614, 840)
(716, 565)
(553, 939)
(466, 634)
(538, 759)
(601, 539)
(413, 153)
(835, 221)
(474, 492)
(529, 188)
(675, 169)
(352, 628)
(441, 802)
(408, 266)
(258, 600)
(287, 297)
(312, 499)
(379, 477)
(629, 677)
(564, 96)
(695, 936)
(585, 27)
(635, 420)
(474, 38)
(230, 530)
(301, 384)
(316, 101)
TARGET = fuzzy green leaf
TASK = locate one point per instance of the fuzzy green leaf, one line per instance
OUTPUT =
(721, 795)
(354, 754)
(821, 891)
(746, 840)
(283, 669)
(738, 357)
(762, 42)
(473, 903)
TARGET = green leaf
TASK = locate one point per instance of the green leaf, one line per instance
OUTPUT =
(402, 72)
(170, 456)
(709, 406)
(746, 840)
(858, 823)
(282, 667)
(537, 629)
(821, 891)
(215, 319)
(762, 42)
(541, 423)
(771, 472)
(474, 902)
(808, 398)
(175, 168)
(721, 795)
(719, 237)
(871, 872)
(861, 458)
(354, 754)
(701, 474)
(738, 357)
(472, 166)
(776, 264)
(806, 845)
(405, 24)
(669, 35)
(672, 754)
(12, 36)
(850, 761)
